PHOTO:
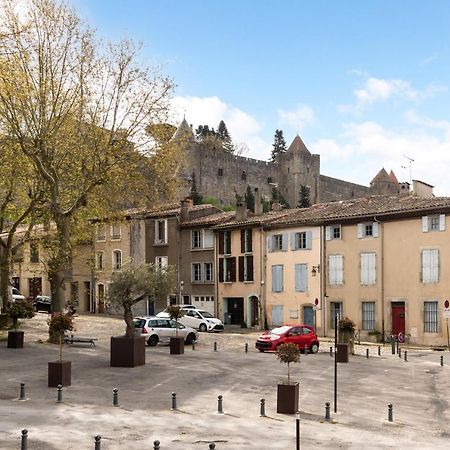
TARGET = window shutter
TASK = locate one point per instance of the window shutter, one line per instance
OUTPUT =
(425, 224)
(301, 277)
(292, 236)
(331, 270)
(442, 222)
(340, 277)
(241, 268)
(269, 243)
(375, 229)
(250, 240)
(364, 268)
(274, 279)
(434, 265)
(328, 233)
(249, 268)
(425, 266)
(233, 268)
(221, 270)
(308, 240)
(208, 239)
(284, 242)
(221, 233)
(242, 241)
(360, 230)
(372, 268)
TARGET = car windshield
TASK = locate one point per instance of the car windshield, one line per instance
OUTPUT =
(139, 323)
(280, 330)
(206, 314)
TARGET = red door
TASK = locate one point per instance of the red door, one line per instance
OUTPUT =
(398, 318)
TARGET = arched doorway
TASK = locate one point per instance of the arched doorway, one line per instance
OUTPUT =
(253, 310)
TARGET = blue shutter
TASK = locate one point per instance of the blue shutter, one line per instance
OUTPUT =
(293, 241)
(308, 240)
(301, 277)
(284, 242)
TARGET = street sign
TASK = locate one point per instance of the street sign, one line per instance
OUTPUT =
(446, 309)
(316, 304)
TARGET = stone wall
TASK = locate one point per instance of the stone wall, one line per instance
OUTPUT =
(332, 189)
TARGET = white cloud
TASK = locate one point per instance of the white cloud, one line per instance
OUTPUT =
(364, 148)
(242, 127)
(298, 118)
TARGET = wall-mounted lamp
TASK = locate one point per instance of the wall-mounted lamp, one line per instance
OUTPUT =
(315, 270)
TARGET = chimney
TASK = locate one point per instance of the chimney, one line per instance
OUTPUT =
(258, 204)
(184, 209)
(276, 205)
(241, 210)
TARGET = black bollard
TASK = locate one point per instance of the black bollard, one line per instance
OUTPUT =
(193, 345)
(156, 445)
(24, 443)
(306, 349)
(379, 351)
(327, 411)
(262, 412)
(98, 442)
(212, 446)
(215, 346)
(174, 401)
(331, 351)
(398, 347)
(59, 398)
(442, 360)
(220, 404)
(246, 347)
(391, 412)
(406, 355)
(399, 352)
(367, 353)
(115, 397)
(393, 346)
(22, 392)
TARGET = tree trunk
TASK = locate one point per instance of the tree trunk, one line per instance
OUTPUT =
(128, 316)
(5, 265)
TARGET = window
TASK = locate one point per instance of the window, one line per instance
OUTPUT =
(368, 269)
(332, 232)
(101, 232)
(206, 298)
(161, 262)
(433, 223)
(244, 175)
(115, 231)
(277, 242)
(336, 269)
(301, 241)
(246, 268)
(196, 272)
(430, 317)
(246, 240)
(227, 242)
(208, 271)
(197, 240)
(269, 180)
(277, 278)
(430, 265)
(99, 263)
(34, 252)
(369, 229)
(220, 172)
(335, 310)
(202, 239)
(368, 316)
(117, 259)
(227, 270)
(161, 231)
(301, 277)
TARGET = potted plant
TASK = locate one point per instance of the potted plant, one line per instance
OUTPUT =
(60, 372)
(176, 343)
(20, 309)
(130, 285)
(287, 393)
(346, 334)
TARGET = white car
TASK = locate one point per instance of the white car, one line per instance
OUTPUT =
(16, 295)
(198, 319)
(160, 329)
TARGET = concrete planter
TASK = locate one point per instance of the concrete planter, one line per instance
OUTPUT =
(15, 339)
(342, 353)
(59, 372)
(347, 337)
(127, 352)
(287, 398)
(176, 345)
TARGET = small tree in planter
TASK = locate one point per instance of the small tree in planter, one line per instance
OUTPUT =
(60, 372)
(20, 309)
(129, 286)
(346, 329)
(287, 395)
(176, 343)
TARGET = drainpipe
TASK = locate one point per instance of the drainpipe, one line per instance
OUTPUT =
(262, 272)
(323, 273)
(381, 231)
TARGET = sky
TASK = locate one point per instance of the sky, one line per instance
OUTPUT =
(364, 83)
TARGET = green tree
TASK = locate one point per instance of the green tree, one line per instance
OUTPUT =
(196, 197)
(78, 109)
(279, 144)
(133, 283)
(223, 134)
(250, 199)
(304, 200)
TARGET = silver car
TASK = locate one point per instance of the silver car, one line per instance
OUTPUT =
(161, 329)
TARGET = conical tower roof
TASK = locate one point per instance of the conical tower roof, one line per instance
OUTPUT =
(381, 176)
(393, 177)
(297, 145)
(183, 131)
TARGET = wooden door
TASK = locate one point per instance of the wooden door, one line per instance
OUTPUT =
(398, 318)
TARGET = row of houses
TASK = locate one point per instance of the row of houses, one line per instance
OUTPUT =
(383, 261)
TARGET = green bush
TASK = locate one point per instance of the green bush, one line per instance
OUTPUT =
(288, 353)
(20, 309)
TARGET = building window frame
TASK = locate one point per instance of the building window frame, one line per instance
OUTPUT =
(117, 259)
(431, 316)
(116, 231)
(100, 232)
(100, 260)
(161, 237)
(368, 315)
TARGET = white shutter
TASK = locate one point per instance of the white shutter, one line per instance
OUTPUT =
(336, 269)
(277, 278)
(434, 265)
(375, 229)
(308, 240)
(340, 269)
(284, 242)
(293, 241)
(328, 233)
(360, 230)
(425, 224)
(426, 266)
(442, 222)
(364, 268)
(269, 243)
(331, 270)
(208, 239)
(371, 268)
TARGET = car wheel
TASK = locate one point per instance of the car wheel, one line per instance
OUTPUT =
(152, 340)
(203, 327)
(261, 350)
(190, 338)
(314, 348)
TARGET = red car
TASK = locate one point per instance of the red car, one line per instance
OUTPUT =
(303, 336)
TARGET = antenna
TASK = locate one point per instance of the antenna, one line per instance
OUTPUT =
(410, 161)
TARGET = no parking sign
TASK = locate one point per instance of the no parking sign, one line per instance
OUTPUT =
(446, 309)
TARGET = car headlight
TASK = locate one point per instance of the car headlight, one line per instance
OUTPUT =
(273, 338)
